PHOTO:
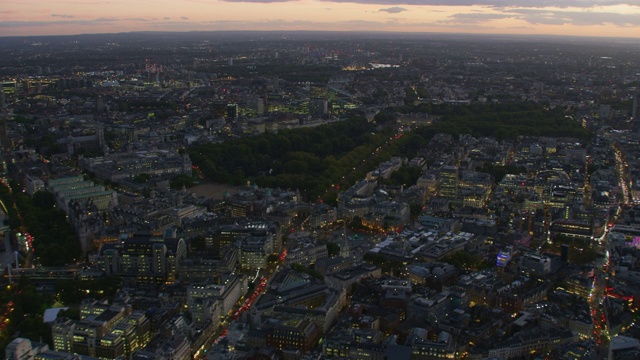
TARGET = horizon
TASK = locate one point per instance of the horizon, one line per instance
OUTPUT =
(572, 18)
(397, 34)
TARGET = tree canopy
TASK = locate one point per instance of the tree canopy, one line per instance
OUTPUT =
(54, 240)
(323, 159)
(310, 159)
(501, 121)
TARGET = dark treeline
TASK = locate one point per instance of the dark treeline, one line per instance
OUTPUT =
(54, 240)
(314, 159)
(501, 121)
(308, 159)
(29, 304)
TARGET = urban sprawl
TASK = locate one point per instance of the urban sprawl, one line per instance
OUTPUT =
(262, 195)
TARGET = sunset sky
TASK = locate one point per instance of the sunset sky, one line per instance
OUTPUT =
(620, 18)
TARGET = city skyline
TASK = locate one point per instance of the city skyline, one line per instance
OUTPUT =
(606, 18)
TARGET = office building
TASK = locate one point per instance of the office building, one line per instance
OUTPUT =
(449, 182)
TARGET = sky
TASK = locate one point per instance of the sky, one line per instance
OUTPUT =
(615, 18)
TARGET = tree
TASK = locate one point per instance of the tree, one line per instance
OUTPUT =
(43, 200)
(406, 175)
(384, 117)
(303, 269)
(333, 249)
(464, 260)
(142, 178)
(182, 180)
(498, 172)
(356, 223)
(415, 210)
(73, 312)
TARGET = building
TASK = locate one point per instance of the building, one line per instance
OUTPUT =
(536, 264)
(302, 335)
(297, 294)
(254, 251)
(62, 331)
(204, 310)
(143, 258)
(322, 215)
(529, 341)
(125, 166)
(423, 348)
(33, 184)
(75, 188)
(91, 142)
(573, 228)
(201, 269)
(306, 251)
(318, 107)
(344, 279)
(435, 308)
(431, 274)
(105, 331)
(23, 349)
(229, 234)
(226, 293)
(174, 347)
(449, 182)
(622, 345)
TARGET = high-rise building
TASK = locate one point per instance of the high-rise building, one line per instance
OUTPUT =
(564, 253)
(260, 106)
(62, 331)
(318, 107)
(634, 110)
(3, 99)
(449, 180)
(100, 104)
(4, 132)
(232, 111)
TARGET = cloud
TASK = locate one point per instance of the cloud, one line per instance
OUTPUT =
(91, 2)
(468, 18)
(550, 17)
(62, 16)
(89, 22)
(260, 1)
(104, 19)
(579, 18)
(16, 24)
(278, 24)
(393, 10)
(184, 18)
(272, 25)
(487, 3)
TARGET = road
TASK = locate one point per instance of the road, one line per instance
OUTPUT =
(602, 268)
(261, 288)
